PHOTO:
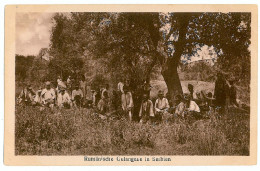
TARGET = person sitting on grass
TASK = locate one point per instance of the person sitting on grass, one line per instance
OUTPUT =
(192, 108)
(103, 104)
(26, 96)
(146, 112)
(37, 101)
(181, 106)
(48, 96)
(77, 96)
(161, 106)
(64, 100)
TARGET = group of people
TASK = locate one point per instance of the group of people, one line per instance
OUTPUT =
(134, 104)
(64, 95)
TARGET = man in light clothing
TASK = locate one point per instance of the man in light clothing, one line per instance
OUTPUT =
(120, 86)
(127, 102)
(180, 108)
(38, 100)
(64, 100)
(77, 96)
(146, 110)
(161, 106)
(26, 96)
(105, 90)
(192, 108)
(48, 95)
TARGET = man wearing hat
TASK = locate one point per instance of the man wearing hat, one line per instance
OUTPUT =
(146, 112)
(48, 95)
(64, 100)
(161, 105)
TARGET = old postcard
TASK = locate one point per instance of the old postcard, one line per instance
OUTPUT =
(130, 85)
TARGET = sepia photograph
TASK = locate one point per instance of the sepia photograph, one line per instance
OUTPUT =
(133, 83)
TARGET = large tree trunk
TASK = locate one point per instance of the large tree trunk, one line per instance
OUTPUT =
(171, 77)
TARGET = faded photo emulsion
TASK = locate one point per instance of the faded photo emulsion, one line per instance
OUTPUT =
(134, 86)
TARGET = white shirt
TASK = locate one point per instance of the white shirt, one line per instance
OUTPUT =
(77, 93)
(161, 104)
(65, 98)
(193, 107)
(102, 93)
(127, 100)
(120, 86)
(48, 94)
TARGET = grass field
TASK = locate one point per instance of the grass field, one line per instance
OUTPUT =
(82, 132)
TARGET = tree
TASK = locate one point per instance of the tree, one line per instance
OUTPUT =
(173, 35)
(133, 43)
(22, 66)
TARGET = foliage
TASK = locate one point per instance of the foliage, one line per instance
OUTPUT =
(82, 132)
(22, 63)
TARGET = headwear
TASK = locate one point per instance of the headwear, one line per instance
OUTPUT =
(48, 83)
(190, 86)
(209, 96)
(160, 92)
(29, 86)
(186, 96)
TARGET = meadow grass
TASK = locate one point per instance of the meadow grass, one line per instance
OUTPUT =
(82, 132)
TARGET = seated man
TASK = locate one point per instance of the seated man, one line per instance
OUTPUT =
(26, 96)
(37, 101)
(48, 96)
(64, 100)
(161, 106)
(192, 108)
(103, 104)
(77, 96)
(146, 110)
(180, 108)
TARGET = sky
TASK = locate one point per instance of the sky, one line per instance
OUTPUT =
(32, 32)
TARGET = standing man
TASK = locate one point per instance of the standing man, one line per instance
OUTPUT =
(146, 110)
(221, 92)
(69, 84)
(191, 90)
(127, 102)
(83, 85)
(233, 94)
(105, 89)
(147, 88)
(48, 95)
(120, 86)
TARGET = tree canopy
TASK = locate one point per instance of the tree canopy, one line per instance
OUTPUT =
(131, 44)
